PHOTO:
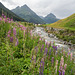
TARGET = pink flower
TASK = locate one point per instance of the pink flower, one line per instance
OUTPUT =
(0, 19)
(52, 60)
(14, 31)
(5, 20)
(8, 35)
(62, 61)
(40, 39)
(11, 19)
(24, 28)
(4, 16)
(20, 25)
(9, 31)
(71, 56)
(65, 66)
(56, 65)
(16, 42)
(8, 18)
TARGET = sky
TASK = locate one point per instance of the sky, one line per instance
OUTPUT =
(60, 8)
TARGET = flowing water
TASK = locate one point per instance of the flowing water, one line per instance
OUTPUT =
(51, 38)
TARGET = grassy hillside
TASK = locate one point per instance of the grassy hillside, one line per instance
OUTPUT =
(67, 23)
(9, 13)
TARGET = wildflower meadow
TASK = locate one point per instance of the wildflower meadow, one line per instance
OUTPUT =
(22, 53)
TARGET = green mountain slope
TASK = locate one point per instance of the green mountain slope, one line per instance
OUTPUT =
(9, 13)
(26, 13)
(68, 22)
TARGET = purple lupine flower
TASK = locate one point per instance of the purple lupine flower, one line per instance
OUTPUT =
(46, 50)
(61, 68)
(11, 39)
(42, 48)
(50, 52)
(16, 42)
(60, 72)
(41, 67)
(52, 60)
(14, 31)
(42, 60)
(55, 47)
(43, 45)
(63, 73)
(32, 58)
(36, 48)
(68, 53)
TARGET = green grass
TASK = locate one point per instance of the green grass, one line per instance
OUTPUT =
(67, 23)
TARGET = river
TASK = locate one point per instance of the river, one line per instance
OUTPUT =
(53, 39)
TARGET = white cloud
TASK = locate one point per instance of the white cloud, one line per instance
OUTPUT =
(61, 8)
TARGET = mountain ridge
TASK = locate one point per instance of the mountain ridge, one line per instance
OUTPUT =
(50, 18)
(26, 13)
(9, 13)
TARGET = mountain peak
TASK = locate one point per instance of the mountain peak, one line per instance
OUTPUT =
(26, 13)
(51, 15)
(17, 7)
(1, 4)
(24, 6)
(50, 18)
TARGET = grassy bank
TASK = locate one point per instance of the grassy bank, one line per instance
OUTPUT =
(67, 23)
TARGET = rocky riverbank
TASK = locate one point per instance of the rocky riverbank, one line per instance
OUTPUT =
(64, 35)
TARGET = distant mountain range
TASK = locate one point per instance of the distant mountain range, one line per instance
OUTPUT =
(9, 13)
(26, 13)
(50, 18)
